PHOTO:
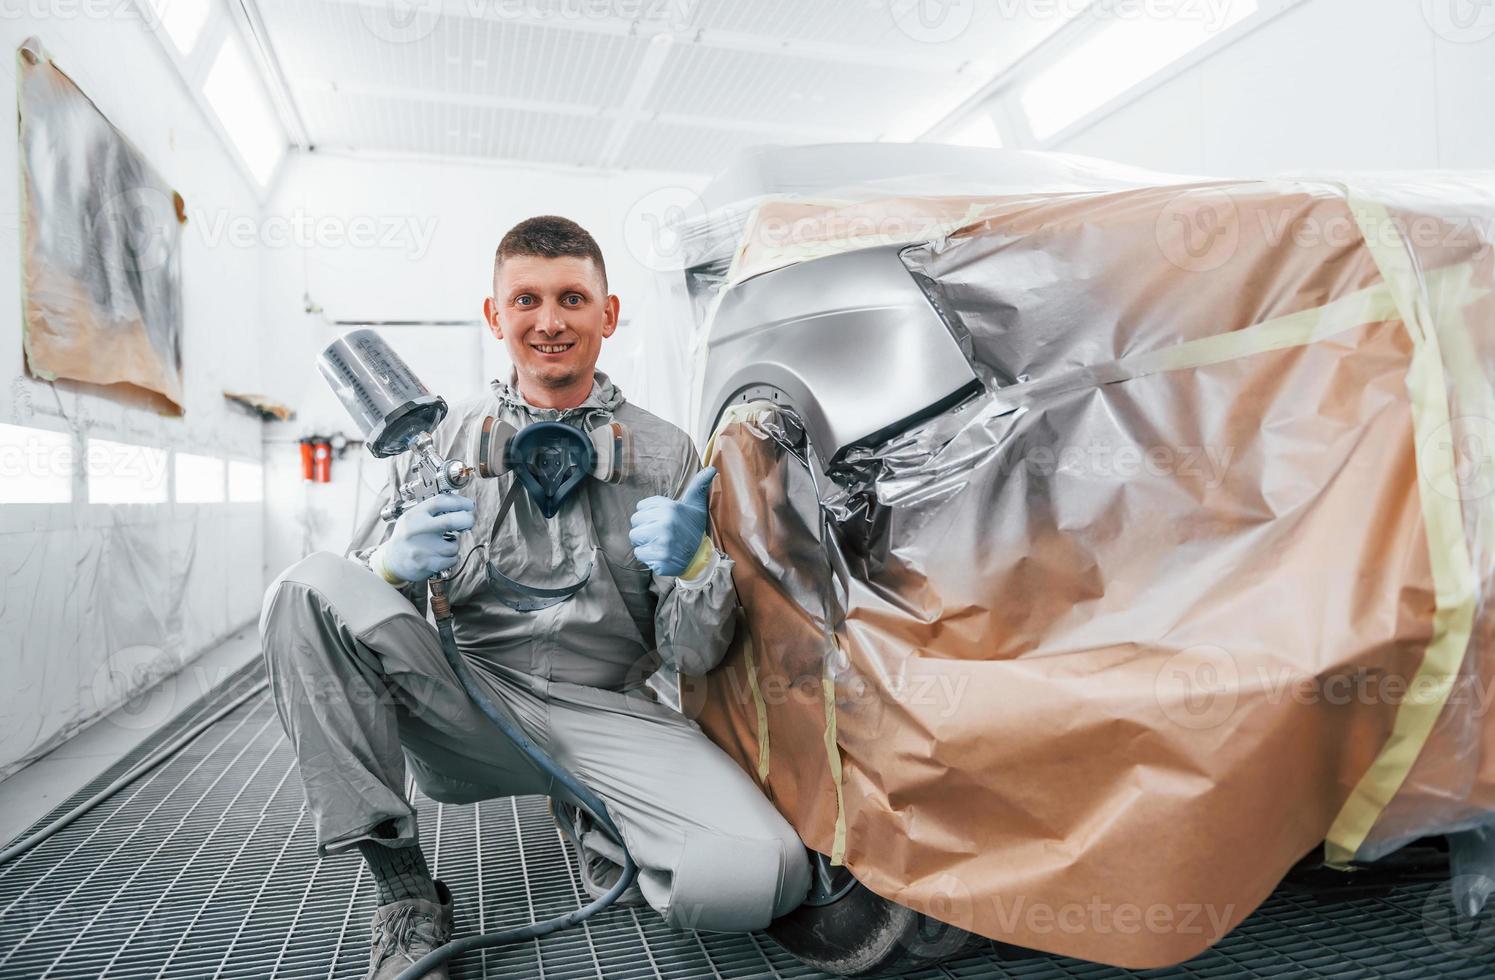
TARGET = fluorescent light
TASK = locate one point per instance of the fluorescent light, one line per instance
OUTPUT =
(1126, 50)
(183, 20)
(979, 130)
(121, 473)
(235, 94)
(36, 466)
(199, 479)
(246, 482)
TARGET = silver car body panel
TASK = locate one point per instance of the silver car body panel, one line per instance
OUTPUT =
(850, 340)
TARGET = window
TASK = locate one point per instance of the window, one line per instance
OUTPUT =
(36, 466)
(1125, 50)
(246, 482)
(183, 20)
(244, 110)
(199, 479)
(121, 473)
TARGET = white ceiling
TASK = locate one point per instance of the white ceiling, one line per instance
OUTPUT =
(674, 85)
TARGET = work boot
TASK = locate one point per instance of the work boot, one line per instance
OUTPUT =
(406, 930)
(598, 872)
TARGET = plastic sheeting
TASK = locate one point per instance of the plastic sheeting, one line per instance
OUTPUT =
(1197, 584)
(101, 279)
(103, 599)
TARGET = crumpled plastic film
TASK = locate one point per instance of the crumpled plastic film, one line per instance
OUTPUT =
(1194, 587)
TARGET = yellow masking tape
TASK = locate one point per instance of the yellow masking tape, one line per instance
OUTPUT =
(1454, 583)
(762, 709)
(833, 755)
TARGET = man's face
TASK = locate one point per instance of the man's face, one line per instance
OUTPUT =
(552, 315)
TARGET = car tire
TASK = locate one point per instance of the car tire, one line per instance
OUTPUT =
(861, 934)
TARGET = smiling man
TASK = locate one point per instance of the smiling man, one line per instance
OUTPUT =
(362, 687)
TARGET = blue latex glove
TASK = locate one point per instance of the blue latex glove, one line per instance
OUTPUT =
(667, 533)
(416, 549)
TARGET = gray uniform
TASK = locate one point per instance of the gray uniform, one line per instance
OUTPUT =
(361, 684)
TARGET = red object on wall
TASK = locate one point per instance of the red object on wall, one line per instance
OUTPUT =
(306, 460)
(322, 458)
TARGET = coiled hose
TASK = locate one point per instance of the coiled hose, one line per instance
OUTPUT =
(588, 800)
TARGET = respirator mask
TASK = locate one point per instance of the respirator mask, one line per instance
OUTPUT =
(548, 460)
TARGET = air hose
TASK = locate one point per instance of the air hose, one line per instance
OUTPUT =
(588, 801)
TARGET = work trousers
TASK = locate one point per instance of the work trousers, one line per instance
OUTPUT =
(363, 689)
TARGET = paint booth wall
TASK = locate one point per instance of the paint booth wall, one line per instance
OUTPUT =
(1327, 85)
(381, 239)
(103, 599)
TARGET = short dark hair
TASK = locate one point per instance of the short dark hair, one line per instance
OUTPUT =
(550, 236)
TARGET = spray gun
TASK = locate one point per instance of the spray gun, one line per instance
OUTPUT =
(397, 414)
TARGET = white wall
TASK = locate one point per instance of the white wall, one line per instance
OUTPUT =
(1328, 84)
(101, 600)
(402, 239)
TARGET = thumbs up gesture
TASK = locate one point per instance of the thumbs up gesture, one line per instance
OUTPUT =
(667, 533)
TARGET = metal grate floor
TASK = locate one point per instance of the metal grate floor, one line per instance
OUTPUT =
(204, 868)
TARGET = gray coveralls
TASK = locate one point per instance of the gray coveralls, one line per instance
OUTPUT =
(361, 685)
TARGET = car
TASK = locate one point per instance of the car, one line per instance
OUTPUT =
(1047, 432)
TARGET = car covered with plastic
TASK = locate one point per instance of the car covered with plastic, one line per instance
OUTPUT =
(1107, 541)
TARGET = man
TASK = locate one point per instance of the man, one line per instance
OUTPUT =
(361, 684)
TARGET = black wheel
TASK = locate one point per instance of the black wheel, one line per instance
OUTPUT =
(845, 929)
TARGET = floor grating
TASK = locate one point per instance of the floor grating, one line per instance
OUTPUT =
(204, 869)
